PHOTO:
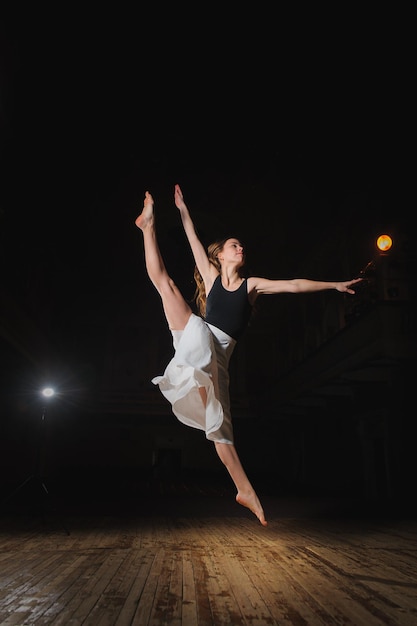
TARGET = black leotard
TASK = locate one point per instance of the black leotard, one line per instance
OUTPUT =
(228, 310)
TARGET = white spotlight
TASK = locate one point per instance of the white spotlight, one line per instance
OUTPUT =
(48, 392)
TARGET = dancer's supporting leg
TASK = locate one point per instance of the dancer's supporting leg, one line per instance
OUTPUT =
(246, 495)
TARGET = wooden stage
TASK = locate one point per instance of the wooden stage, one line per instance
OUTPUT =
(201, 559)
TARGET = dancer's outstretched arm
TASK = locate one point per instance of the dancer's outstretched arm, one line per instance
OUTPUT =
(299, 285)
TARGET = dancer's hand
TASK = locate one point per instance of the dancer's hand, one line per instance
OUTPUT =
(179, 198)
(346, 286)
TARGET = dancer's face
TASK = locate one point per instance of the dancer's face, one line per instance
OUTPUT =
(232, 252)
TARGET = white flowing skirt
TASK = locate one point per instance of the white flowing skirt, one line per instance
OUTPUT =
(201, 359)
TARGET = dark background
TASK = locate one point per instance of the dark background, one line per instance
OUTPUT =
(289, 131)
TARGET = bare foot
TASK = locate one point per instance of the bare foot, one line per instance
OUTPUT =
(251, 502)
(146, 217)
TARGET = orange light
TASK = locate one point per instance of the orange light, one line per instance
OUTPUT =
(384, 243)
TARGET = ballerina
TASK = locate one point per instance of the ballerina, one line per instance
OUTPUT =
(196, 380)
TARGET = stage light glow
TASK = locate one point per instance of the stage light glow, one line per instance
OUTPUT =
(384, 243)
(48, 392)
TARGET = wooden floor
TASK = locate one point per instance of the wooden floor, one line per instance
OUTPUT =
(203, 560)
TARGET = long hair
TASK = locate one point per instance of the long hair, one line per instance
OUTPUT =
(213, 252)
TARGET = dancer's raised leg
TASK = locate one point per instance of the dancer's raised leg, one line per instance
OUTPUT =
(176, 309)
(246, 495)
